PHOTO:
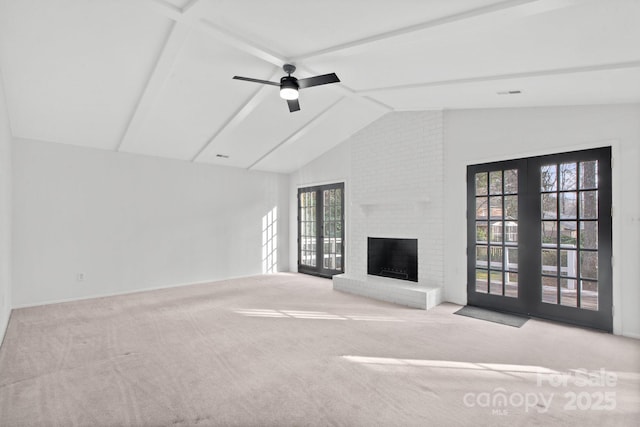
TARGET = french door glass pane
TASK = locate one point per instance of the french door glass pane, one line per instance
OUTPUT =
(481, 280)
(588, 235)
(589, 295)
(549, 233)
(482, 259)
(589, 265)
(569, 233)
(550, 289)
(495, 282)
(482, 184)
(568, 263)
(589, 204)
(482, 208)
(568, 292)
(549, 205)
(568, 176)
(511, 207)
(511, 285)
(511, 258)
(511, 181)
(495, 182)
(568, 205)
(496, 259)
(495, 231)
(548, 178)
(495, 207)
(482, 230)
(549, 261)
(588, 175)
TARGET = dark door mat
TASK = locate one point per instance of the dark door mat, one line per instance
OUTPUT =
(492, 316)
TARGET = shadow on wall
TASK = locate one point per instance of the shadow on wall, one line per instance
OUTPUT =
(270, 241)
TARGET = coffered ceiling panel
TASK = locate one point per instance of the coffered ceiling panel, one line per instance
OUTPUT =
(481, 47)
(73, 70)
(269, 124)
(327, 131)
(196, 98)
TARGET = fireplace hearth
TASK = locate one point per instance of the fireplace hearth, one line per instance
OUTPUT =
(394, 258)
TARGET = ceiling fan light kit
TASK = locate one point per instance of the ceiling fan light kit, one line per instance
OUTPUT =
(288, 88)
(289, 85)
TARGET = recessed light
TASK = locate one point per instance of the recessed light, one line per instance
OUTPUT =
(509, 92)
(222, 156)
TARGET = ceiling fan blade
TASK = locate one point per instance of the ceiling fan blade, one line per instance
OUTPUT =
(264, 82)
(294, 105)
(318, 80)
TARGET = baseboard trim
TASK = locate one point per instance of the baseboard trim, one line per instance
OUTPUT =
(631, 335)
(128, 292)
(4, 326)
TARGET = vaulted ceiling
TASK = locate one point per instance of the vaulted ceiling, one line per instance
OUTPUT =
(154, 77)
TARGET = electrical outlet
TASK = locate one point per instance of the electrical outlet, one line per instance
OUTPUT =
(80, 277)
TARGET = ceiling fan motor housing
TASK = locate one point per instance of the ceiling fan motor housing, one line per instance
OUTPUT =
(289, 82)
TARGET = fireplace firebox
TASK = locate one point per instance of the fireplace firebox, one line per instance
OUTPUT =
(394, 258)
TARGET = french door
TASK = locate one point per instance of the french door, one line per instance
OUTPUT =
(539, 237)
(321, 230)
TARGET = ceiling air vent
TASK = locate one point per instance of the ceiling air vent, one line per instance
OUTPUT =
(222, 156)
(509, 92)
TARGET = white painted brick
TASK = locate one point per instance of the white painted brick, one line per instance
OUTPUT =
(399, 159)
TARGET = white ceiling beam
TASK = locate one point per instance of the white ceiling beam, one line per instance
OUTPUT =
(241, 43)
(187, 7)
(220, 34)
(164, 7)
(155, 83)
(509, 7)
(238, 116)
(306, 128)
(527, 74)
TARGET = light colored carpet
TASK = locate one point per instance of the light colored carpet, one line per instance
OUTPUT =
(288, 350)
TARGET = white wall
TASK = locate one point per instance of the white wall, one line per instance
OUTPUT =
(5, 213)
(131, 222)
(478, 136)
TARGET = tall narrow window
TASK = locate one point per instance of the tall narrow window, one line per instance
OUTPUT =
(270, 241)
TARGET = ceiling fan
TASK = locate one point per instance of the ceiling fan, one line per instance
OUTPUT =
(289, 85)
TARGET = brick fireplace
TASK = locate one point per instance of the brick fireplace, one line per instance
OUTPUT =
(396, 191)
